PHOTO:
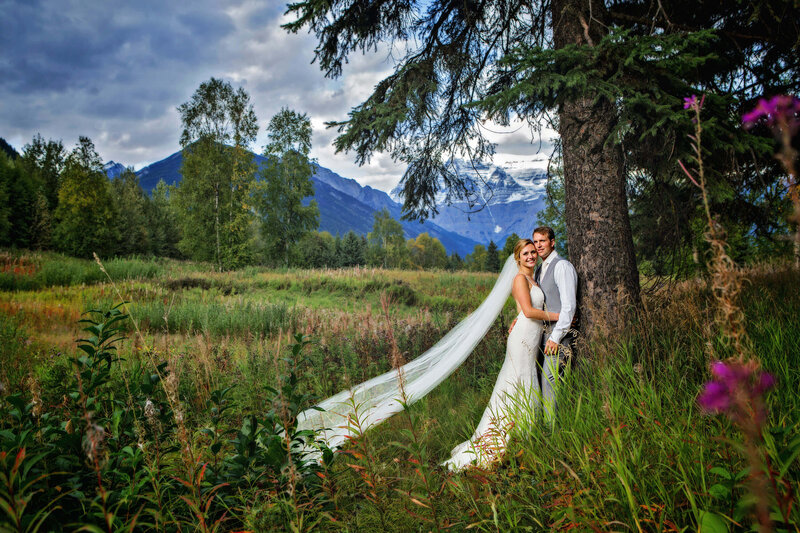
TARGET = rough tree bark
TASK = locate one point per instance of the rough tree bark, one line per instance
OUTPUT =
(596, 206)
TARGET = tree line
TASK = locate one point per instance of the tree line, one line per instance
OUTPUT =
(54, 199)
(225, 210)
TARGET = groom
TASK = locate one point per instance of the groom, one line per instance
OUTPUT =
(558, 280)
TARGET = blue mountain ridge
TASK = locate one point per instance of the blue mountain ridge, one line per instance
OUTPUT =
(344, 204)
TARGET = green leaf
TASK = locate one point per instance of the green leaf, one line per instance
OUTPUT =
(718, 470)
(712, 523)
(719, 491)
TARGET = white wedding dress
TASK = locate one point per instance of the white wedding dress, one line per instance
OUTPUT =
(514, 397)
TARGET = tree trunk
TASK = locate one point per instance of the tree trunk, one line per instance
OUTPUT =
(596, 206)
(216, 225)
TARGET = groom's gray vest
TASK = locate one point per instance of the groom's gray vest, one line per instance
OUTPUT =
(552, 299)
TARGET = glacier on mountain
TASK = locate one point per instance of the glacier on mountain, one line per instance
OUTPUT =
(504, 199)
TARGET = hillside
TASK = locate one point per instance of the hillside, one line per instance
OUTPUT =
(342, 203)
(346, 205)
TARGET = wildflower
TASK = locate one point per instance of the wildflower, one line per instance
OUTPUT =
(151, 413)
(692, 102)
(149, 409)
(715, 397)
(733, 384)
(779, 111)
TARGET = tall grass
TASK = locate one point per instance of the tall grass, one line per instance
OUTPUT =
(42, 270)
(630, 449)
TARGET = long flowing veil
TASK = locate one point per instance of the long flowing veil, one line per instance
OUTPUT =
(379, 398)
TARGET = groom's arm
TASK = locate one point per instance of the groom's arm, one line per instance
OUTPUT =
(567, 282)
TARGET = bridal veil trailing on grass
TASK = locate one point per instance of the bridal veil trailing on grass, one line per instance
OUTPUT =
(379, 398)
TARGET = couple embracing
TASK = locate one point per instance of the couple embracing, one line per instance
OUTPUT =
(538, 344)
(540, 341)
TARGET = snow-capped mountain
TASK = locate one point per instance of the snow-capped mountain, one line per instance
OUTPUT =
(506, 199)
(113, 170)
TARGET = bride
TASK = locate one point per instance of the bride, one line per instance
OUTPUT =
(516, 388)
(343, 415)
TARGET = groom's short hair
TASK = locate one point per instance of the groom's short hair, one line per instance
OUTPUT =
(545, 230)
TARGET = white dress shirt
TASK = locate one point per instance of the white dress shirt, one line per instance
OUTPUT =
(566, 279)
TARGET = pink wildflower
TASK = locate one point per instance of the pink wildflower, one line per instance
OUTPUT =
(777, 111)
(733, 382)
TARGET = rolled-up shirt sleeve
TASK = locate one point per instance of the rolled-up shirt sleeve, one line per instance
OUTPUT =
(566, 280)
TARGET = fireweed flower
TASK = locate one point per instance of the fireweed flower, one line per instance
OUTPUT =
(778, 111)
(735, 386)
(689, 101)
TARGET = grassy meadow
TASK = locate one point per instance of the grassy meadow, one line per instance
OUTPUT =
(178, 418)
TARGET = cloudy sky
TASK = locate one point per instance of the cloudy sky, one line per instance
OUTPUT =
(116, 71)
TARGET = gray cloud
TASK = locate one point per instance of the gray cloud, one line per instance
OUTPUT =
(116, 71)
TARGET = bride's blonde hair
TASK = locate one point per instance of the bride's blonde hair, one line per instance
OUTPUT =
(522, 243)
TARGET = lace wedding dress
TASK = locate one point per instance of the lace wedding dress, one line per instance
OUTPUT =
(375, 400)
(513, 398)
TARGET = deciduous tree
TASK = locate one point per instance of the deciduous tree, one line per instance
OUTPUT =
(387, 239)
(44, 161)
(427, 252)
(213, 196)
(508, 247)
(163, 221)
(476, 261)
(285, 182)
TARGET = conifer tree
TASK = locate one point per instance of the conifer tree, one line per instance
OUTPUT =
(84, 218)
(353, 250)
(493, 263)
(20, 207)
(6, 171)
(132, 206)
(454, 262)
(609, 74)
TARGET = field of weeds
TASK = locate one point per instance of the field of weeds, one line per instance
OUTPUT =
(175, 411)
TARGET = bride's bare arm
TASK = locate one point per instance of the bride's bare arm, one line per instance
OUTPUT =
(522, 294)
